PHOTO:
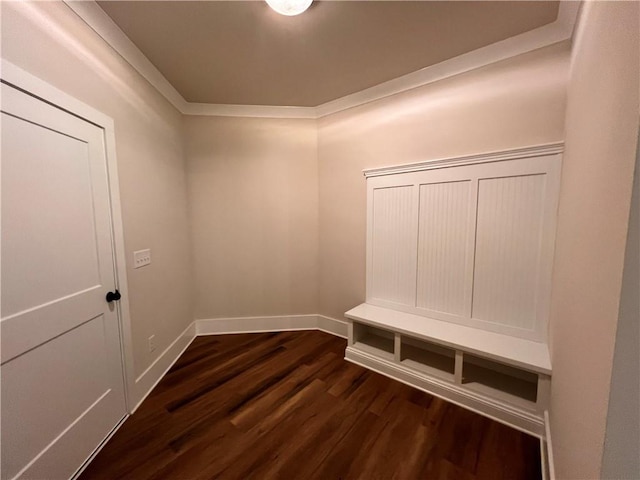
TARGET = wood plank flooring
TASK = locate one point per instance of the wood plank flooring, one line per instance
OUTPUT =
(288, 406)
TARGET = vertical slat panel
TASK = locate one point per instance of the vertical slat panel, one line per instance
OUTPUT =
(509, 229)
(393, 251)
(442, 247)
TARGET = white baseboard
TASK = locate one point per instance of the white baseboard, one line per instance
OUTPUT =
(95, 453)
(336, 327)
(546, 451)
(146, 382)
(280, 323)
(482, 405)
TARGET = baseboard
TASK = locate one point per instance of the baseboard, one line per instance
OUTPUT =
(146, 382)
(95, 453)
(546, 451)
(280, 323)
(482, 405)
(336, 327)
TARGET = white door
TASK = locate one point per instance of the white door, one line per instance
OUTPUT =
(62, 375)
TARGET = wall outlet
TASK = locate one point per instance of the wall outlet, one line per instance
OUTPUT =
(152, 343)
(141, 258)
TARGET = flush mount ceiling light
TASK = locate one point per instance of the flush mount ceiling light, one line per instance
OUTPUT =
(289, 7)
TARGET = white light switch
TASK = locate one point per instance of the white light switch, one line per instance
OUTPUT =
(141, 258)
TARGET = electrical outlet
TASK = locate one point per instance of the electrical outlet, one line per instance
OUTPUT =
(141, 258)
(152, 343)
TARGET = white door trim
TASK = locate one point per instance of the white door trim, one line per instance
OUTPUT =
(15, 76)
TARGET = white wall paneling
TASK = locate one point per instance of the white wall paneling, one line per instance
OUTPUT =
(508, 232)
(457, 303)
(444, 234)
(393, 232)
(468, 241)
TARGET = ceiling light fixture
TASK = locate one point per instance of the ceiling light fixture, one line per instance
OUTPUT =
(289, 7)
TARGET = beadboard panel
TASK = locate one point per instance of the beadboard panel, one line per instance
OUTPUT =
(393, 257)
(443, 247)
(508, 236)
(469, 243)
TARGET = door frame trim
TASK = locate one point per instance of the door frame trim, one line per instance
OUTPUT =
(14, 76)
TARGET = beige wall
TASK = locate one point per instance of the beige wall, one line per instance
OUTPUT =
(253, 196)
(277, 207)
(601, 134)
(622, 439)
(514, 103)
(150, 158)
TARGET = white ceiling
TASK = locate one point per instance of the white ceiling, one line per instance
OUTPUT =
(241, 52)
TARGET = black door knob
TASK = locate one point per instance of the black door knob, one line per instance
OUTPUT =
(111, 296)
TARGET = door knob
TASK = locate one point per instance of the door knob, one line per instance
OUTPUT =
(111, 296)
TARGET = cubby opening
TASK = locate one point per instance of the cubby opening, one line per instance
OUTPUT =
(374, 340)
(428, 358)
(500, 381)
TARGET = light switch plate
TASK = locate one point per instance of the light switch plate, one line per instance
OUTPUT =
(141, 258)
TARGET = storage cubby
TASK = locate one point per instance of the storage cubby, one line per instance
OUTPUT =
(505, 378)
(428, 357)
(509, 384)
(374, 340)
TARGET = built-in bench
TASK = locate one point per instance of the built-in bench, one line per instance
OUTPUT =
(503, 377)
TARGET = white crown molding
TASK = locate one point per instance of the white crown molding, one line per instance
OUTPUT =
(96, 18)
(252, 111)
(516, 153)
(559, 30)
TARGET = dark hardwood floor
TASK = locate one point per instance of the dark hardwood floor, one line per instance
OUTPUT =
(288, 406)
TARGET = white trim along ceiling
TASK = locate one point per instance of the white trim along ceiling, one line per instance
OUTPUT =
(559, 30)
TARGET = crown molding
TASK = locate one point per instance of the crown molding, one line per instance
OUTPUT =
(513, 154)
(251, 111)
(559, 30)
(101, 23)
